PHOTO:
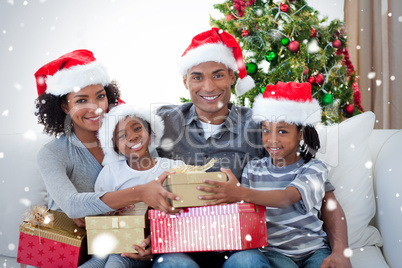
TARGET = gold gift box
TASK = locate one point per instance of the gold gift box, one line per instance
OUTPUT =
(115, 234)
(185, 186)
(59, 244)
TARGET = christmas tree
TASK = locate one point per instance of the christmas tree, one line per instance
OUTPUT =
(286, 41)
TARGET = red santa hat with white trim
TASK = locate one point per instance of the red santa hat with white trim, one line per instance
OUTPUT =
(118, 114)
(71, 72)
(219, 46)
(287, 102)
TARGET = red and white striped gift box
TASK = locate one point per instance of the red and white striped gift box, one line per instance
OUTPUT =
(209, 228)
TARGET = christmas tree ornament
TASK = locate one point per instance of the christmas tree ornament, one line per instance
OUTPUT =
(294, 46)
(271, 56)
(312, 46)
(336, 43)
(315, 57)
(349, 109)
(229, 17)
(262, 90)
(327, 99)
(244, 33)
(240, 7)
(284, 7)
(313, 32)
(319, 79)
(306, 70)
(250, 3)
(285, 41)
(259, 12)
(251, 68)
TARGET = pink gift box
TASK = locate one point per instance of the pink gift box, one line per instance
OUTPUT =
(210, 228)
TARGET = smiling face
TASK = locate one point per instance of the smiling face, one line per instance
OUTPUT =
(86, 108)
(281, 140)
(209, 84)
(132, 138)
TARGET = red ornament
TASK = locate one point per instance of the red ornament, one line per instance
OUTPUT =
(313, 32)
(336, 43)
(319, 79)
(250, 3)
(240, 7)
(349, 109)
(311, 80)
(284, 7)
(306, 70)
(244, 33)
(229, 17)
(294, 46)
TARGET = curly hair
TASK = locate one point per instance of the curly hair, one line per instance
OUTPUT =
(311, 142)
(52, 117)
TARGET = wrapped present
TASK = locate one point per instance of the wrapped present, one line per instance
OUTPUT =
(185, 181)
(110, 234)
(185, 186)
(51, 239)
(209, 228)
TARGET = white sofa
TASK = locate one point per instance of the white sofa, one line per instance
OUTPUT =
(364, 167)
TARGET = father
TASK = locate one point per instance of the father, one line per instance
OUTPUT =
(211, 127)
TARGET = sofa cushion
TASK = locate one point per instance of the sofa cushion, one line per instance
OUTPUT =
(344, 148)
(368, 257)
(21, 184)
(388, 184)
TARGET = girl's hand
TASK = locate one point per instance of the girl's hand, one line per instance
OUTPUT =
(154, 195)
(225, 192)
(144, 251)
(80, 222)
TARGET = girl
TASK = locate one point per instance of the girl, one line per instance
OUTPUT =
(289, 182)
(74, 93)
(127, 140)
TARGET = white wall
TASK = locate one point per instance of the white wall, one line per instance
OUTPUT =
(138, 41)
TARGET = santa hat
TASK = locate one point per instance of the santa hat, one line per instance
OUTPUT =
(118, 114)
(219, 46)
(288, 102)
(71, 72)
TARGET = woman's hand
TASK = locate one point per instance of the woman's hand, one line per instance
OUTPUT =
(224, 192)
(144, 251)
(154, 195)
(80, 222)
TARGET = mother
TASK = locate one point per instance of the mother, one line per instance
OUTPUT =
(75, 91)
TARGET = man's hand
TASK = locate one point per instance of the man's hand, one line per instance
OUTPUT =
(154, 195)
(336, 260)
(144, 251)
(224, 192)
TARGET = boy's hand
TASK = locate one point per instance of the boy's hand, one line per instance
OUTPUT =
(144, 251)
(226, 192)
(154, 195)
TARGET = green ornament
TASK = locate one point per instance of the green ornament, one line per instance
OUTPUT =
(262, 89)
(271, 56)
(285, 41)
(327, 99)
(251, 68)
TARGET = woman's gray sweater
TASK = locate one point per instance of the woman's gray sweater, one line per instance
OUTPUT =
(69, 171)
